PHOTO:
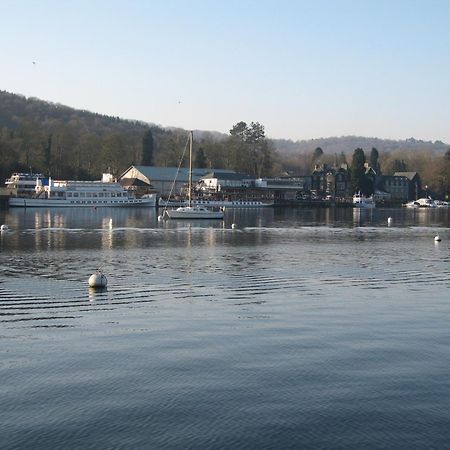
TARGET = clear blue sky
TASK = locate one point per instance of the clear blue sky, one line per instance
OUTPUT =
(304, 69)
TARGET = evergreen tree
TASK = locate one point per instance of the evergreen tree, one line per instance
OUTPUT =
(200, 159)
(316, 156)
(47, 153)
(360, 182)
(374, 155)
(147, 148)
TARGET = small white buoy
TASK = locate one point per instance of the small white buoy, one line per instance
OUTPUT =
(389, 220)
(233, 225)
(437, 238)
(4, 228)
(98, 280)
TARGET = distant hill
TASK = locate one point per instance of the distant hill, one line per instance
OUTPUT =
(16, 109)
(347, 144)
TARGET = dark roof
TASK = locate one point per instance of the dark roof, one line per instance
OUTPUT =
(134, 182)
(222, 175)
(409, 175)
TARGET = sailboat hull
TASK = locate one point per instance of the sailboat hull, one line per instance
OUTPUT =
(193, 212)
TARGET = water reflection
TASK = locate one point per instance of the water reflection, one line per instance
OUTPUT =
(97, 293)
(109, 228)
(107, 233)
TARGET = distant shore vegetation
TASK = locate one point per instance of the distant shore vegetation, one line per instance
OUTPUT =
(66, 143)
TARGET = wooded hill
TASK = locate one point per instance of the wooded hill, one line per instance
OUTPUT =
(346, 143)
(67, 143)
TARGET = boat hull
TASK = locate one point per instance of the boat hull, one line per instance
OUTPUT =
(50, 203)
(193, 213)
(360, 201)
(218, 203)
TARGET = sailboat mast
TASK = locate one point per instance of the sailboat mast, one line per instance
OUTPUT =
(190, 168)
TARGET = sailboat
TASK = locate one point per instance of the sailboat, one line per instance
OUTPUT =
(193, 211)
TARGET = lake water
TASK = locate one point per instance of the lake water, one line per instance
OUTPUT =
(311, 329)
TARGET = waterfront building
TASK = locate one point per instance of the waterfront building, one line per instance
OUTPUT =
(164, 179)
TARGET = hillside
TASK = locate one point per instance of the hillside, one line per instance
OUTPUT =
(65, 142)
(347, 144)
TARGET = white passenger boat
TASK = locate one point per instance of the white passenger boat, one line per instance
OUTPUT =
(217, 203)
(21, 184)
(58, 193)
(361, 201)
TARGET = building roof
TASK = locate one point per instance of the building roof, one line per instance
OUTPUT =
(228, 175)
(168, 173)
(134, 182)
(409, 175)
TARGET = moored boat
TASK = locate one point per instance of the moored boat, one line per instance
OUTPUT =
(62, 193)
(421, 203)
(217, 203)
(361, 201)
(192, 211)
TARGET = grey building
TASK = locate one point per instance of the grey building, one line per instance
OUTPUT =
(414, 184)
(163, 180)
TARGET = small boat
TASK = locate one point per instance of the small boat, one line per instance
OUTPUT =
(60, 193)
(421, 203)
(361, 201)
(442, 204)
(192, 211)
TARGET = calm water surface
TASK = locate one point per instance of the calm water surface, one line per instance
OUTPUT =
(311, 329)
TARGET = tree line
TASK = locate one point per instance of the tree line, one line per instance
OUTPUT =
(66, 143)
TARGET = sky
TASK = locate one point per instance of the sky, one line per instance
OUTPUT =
(303, 69)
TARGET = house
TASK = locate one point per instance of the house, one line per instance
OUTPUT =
(402, 186)
(287, 189)
(330, 181)
(217, 181)
(229, 185)
(397, 187)
(414, 184)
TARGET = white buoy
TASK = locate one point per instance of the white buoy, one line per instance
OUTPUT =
(98, 280)
(4, 228)
(233, 225)
(437, 238)
(389, 220)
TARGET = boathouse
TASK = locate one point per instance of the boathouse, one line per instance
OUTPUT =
(162, 179)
